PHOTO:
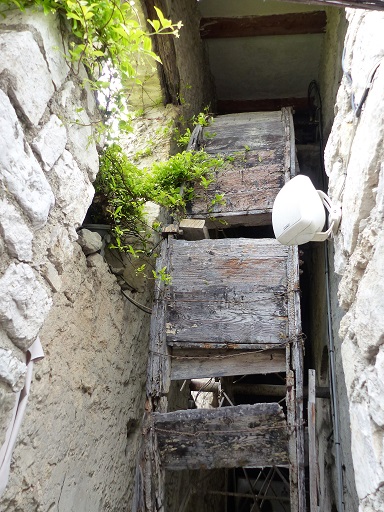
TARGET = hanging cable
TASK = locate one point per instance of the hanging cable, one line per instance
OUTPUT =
(358, 107)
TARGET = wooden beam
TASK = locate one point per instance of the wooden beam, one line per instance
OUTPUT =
(275, 390)
(244, 363)
(357, 4)
(158, 370)
(261, 105)
(312, 451)
(228, 437)
(194, 229)
(297, 364)
(272, 25)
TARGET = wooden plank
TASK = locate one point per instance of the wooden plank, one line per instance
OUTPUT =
(225, 106)
(158, 371)
(290, 150)
(269, 25)
(250, 181)
(242, 436)
(257, 130)
(194, 229)
(254, 145)
(312, 450)
(196, 349)
(356, 4)
(229, 291)
(248, 363)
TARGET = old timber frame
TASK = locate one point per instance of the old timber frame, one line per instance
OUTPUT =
(232, 308)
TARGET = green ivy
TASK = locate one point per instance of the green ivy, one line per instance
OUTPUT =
(124, 189)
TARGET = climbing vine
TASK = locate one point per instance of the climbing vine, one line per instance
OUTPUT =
(123, 189)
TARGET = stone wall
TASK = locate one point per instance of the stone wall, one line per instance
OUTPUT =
(354, 162)
(77, 446)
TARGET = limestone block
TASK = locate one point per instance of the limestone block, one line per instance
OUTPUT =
(74, 192)
(353, 364)
(364, 164)
(369, 475)
(7, 403)
(96, 261)
(50, 273)
(369, 305)
(21, 57)
(50, 143)
(24, 304)
(48, 28)
(60, 248)
(80, 135)
(12, 370)
(15, 231)
(90, 241)
(375, 386)
(19, 169)
(66, 93)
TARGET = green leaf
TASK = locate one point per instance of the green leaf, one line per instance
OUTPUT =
(155, 24)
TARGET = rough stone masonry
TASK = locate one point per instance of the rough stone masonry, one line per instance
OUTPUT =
(355, 164)
(76, 449)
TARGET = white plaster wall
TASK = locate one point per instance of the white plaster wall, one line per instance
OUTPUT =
(355, 164)
(77, 446)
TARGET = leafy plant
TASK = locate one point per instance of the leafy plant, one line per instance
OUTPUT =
(203, 118)
(123, 189)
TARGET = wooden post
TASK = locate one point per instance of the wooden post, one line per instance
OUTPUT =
(159, 365)
(312, 452)
(295, 378)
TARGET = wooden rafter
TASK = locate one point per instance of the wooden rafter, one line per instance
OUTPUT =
(260, 105)
(272, 25)
(357, 4)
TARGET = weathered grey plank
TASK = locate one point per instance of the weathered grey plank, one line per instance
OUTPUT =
(242, 436)
(149, 481)
(222, 365)
(255, 145)
(194, 349)
(230, 291)
(258, 130)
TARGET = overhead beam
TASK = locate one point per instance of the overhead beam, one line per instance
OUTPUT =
(357, 4)
(260, 105)
(243, 363)
(273, 25)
